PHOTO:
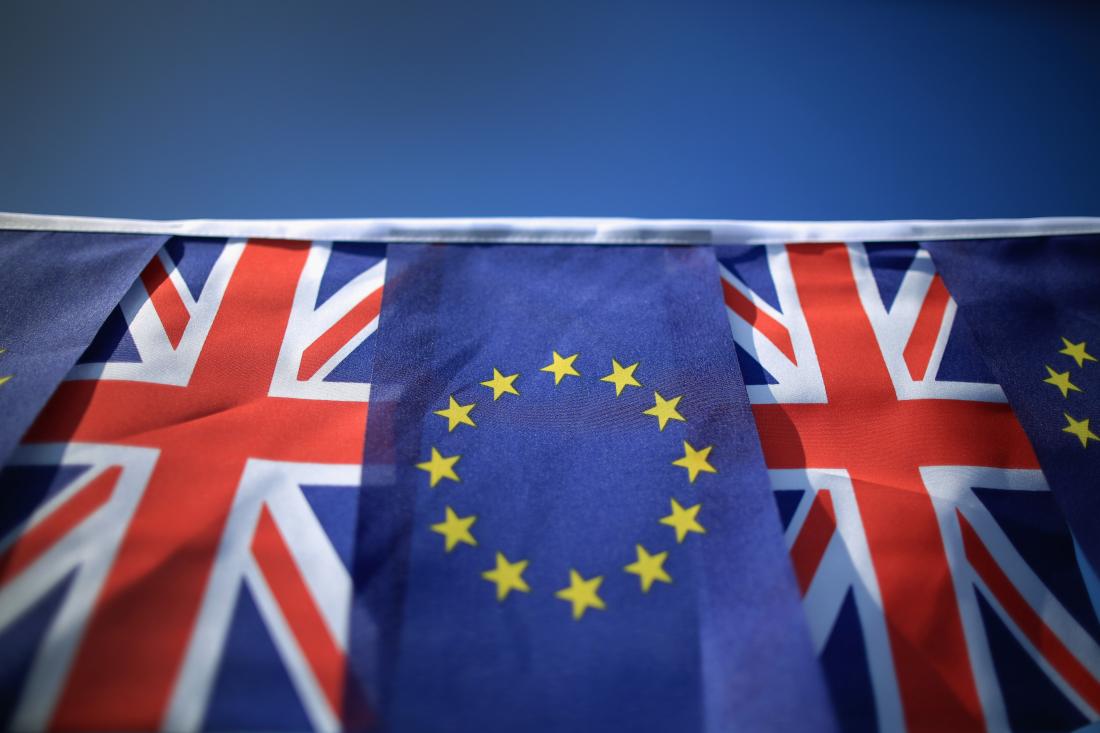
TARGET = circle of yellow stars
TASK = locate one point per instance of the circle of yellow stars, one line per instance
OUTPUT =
(1078, 351)
(581, 593)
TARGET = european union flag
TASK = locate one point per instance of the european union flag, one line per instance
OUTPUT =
(566, 522)
(1032, 304)
(56, 290)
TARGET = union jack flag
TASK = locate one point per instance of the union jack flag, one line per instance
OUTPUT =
(938, 576)
(188, 518)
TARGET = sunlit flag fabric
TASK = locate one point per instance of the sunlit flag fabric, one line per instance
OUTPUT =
(938, 574)
(56, 289)
(1035, 308)
(718, 476)
(180, 505)
(602, 551)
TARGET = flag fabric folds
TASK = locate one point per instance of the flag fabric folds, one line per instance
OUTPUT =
(56, 291)
(179, 508)
(938, 574)
(590, 542)
(1034, 305)
(497, 475)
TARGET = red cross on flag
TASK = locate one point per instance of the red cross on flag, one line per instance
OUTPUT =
(879, 442)
(193, 451)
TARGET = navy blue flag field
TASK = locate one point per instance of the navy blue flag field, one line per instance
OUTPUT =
(535, 477)
(586, 539)
(1034, 307)
(56, 290)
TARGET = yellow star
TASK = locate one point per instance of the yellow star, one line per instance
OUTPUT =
(456, 529)
(457, 414)
(1077, 351)
(664, 410)
(1080, 428)
(561, 367)
(1061, 381)
(684, 520)
(440, 467)
(501, 385)
(695, 461)
(622, 377)
(583, 594)
(508, 576)
(649, 568)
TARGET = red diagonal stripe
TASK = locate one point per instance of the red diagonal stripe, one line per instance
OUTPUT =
(301, 613)
(166, 300)
(813, 539)
(772, 329)
(354, 321)
(1026, 619)
(918, 351)
(40, 538)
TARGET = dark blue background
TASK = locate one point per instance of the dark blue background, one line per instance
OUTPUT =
(784, 109)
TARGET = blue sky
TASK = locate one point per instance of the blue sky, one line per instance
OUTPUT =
(778, 110)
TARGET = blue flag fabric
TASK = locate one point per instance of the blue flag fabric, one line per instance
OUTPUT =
(566, 522)
(1033, 305)
(56, 290)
